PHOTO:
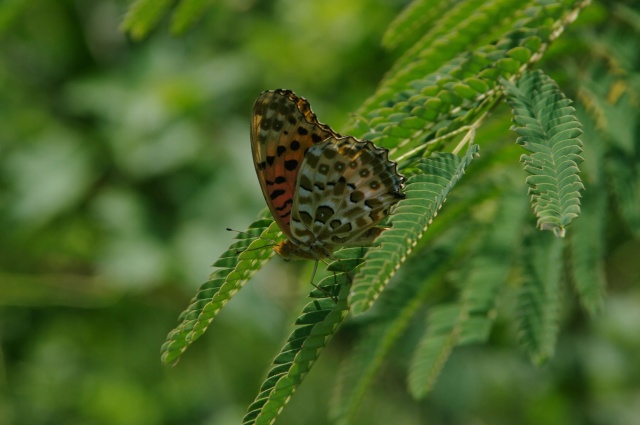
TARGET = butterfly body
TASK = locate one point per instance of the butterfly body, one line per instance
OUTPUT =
(324, 190)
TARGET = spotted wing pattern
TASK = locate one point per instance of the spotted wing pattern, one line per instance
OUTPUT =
(344, 188)
(283, 128)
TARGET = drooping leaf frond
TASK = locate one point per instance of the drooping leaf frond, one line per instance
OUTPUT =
(470, 319)
(539, 298)
(396, 308)
(587, 247)
(625, 182)
(549, 130)
(446, 325)
(317, 323)
(588, 233)
(235, 268)
(611, 100)
(425, 192)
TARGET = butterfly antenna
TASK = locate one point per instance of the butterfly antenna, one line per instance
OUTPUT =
(229, 229)
(273, 242)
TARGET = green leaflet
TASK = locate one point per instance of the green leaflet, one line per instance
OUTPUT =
(396, 309)
(316, 324)
(236, 266)
(624, 172)
(539, 298)
(469, 320)
(588, 233)
(549, 130)
(418, 284)
(458, 28)
(425, 194)
(417, 18)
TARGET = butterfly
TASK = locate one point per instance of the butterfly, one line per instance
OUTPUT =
(324, 190)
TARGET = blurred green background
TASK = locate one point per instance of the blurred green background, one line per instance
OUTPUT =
(121, 165)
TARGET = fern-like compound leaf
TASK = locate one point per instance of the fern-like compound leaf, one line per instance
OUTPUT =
(549, 130)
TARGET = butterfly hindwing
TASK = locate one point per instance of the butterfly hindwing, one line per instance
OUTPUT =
(283, 128)
(345, 187)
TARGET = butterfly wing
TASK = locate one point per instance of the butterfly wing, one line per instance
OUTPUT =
(283, 128)
(345, 187)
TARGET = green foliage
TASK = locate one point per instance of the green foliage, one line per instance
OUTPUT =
(588, 236)
(234, 268)
(443, 95)
(395, 310)
(416, 19)
(459, 28)
(316, 324)
(469, 320)
(121, 164)
(426, 191)
(549, 131)
(539, 299)
(426, 102)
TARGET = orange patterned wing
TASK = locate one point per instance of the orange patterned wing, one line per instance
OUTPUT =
(283, 128)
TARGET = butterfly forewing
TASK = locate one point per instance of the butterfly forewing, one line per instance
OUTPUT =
(283, 128)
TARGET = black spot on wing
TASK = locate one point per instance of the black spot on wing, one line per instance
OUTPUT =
(356, 196)
(287, 202)
(276, 193)
(291, 164)
(323, 213)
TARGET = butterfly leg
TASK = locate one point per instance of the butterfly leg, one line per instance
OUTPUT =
(321, 289)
